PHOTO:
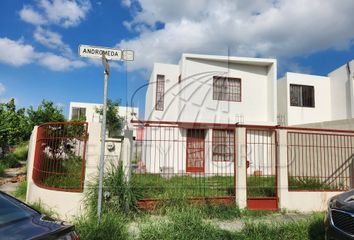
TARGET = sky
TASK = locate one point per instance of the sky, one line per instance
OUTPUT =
(39, 41)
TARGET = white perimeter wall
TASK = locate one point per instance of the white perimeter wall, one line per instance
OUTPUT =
(69, 204)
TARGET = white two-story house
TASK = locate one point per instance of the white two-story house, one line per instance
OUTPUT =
(199, 95)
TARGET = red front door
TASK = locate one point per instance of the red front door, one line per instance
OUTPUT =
(195, 150)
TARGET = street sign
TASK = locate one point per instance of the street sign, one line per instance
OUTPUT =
(128, 55)
(110, 53)
(105, 54)
(97, 52)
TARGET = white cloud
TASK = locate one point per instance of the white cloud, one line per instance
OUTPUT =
(51, 40)
(65, 13)
(16, 53)
(267, 28)
(59, 63)
(2, 89)
(29, 15)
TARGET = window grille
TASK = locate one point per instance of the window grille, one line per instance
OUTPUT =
(223, 145)
(160, 91)
(226, 89)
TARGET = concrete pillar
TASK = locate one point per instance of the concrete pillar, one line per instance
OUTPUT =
(241, 174)
(282, 169)
(30, 161)
(127, 152)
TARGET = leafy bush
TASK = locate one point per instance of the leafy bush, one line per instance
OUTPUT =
(21, 151)
(2, 167)
(112, 226)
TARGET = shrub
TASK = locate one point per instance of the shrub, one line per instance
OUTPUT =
(21, 151)
(112, 226)
(122, 198)
(2, 168)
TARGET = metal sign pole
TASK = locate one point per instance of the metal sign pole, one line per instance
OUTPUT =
(105, 54)
(103, 136)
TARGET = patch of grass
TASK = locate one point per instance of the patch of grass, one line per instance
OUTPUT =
(183, 225)
(111, 227)
(305, 229)
(65, 172)
(207, 210)
(40, 207)
(308, 183)
(21, 190)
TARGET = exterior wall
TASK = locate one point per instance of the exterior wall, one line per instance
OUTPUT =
(191, 100)
(170, 112)
(282, 96)
(93, 117)
(342, 91)
(69, 204)
(196, 96)
(301, 115)
(345, 124)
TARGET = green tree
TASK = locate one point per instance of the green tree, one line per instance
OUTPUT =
(114, 121)
(45, 112)
(14, 127)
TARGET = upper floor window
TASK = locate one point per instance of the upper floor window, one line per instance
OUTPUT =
(160, 91)
(78, 113)
(226, 89)
(302, 96)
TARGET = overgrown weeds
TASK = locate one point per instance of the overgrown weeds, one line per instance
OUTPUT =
(119, 195)
(112, 226)
(21, 190)
(40, 207)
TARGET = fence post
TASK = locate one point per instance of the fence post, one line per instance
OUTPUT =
(127, 152)
(241, 175)
(282, 168)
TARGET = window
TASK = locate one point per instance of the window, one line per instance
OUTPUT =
(160, 91)
(223, 145)
(302, 96)
(78, 113)
(227, 89)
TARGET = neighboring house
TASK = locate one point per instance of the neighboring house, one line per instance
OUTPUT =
(206, 89)
(78, 109)
(304, 98)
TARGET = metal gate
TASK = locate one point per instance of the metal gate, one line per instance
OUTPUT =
(261, 149)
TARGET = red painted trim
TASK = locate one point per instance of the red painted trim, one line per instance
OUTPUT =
(270, 204)
(211, 125)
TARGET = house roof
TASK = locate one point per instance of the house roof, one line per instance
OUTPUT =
(231, 59)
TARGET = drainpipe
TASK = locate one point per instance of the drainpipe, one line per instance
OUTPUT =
(351, 79)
